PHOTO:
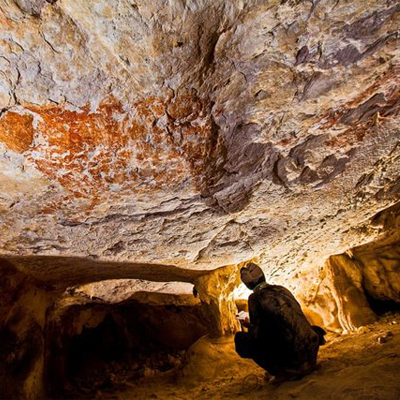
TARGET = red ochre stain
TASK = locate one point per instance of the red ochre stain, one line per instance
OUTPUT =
(16, 131)
(109, 152)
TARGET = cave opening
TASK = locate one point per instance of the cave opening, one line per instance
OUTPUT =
(100, 346)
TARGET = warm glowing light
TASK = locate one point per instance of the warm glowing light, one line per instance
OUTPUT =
(242, 292)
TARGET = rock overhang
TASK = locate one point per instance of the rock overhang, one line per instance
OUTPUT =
(197, 134)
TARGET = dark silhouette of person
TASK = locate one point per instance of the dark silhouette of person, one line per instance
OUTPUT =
(279, 337)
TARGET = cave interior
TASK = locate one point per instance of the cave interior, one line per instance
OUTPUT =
(151, 149)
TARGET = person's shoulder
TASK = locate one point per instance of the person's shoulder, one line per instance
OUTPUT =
(277, 290)
(255, 298)
(271, 288)
(252, 296)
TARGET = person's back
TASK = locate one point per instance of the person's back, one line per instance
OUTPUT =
(280, 339)
(284, 338)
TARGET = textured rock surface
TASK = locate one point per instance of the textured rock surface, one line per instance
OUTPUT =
(352, 286)
(61, 272)
(197, 133)
(346, 288)
(216, 292)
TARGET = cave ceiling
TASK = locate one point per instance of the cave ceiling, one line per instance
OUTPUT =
(197, 133)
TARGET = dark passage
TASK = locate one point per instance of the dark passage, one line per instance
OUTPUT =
(91, 351)
(99, 346)
(382, 306)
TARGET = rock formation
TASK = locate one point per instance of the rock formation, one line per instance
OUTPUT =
(196, 133)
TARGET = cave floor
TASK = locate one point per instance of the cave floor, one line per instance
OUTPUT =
(355, 366)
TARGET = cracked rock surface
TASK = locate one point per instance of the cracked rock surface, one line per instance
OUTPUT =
(197, 133)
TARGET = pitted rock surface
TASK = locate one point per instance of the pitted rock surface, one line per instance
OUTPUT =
(197, 133)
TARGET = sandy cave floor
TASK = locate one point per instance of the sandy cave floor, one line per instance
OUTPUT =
(356, 366)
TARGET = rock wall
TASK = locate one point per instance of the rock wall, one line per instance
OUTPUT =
(355, 284)
(216, 292)
(346, 284)
(22, 322)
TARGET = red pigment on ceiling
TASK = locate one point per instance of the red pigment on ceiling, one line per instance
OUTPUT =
(160, 143)
(16, 131)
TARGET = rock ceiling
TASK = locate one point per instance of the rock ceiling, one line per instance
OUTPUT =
(197, 133)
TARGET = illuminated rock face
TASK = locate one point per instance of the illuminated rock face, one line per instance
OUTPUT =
(197, 133)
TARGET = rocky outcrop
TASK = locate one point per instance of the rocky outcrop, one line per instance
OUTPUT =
(216, 292)
(55, 330)
(364, 280)
(346, 285)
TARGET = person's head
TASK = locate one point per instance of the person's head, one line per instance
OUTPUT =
(252, 275)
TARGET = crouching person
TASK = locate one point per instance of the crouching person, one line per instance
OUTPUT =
(279, 337)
